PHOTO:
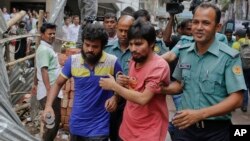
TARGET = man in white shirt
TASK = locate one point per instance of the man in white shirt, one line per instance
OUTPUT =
(6, 15)
(110, 23)
(66, 29)
(47, 70)
(14, 12)
(74, 29)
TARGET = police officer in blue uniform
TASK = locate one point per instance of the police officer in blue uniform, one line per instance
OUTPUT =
(210, 75)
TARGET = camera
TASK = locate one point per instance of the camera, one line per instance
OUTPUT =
(21, 24)
(91, 19)
(174, 6)
(246, 24)
(194, 4)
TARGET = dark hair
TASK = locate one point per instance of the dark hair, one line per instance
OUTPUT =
(210, 5)
(248, 33)
(46, 26)
(75, 16)
(142, 29)
(158, 31)
(185, 23)
(110, 15)
(95, 31)
(21, 24)
(228, 31)
(65, 18)
(141, 13)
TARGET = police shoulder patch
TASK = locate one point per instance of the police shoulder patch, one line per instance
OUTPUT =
(237, 70)
(157, 49)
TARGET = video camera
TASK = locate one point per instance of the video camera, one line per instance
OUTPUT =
(246, 24)
(91, 19)
(194, 4)
(174, 6)
(87, 20)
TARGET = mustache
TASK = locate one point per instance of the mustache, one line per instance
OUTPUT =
(198, 31)
(136, 53)
(90, 53)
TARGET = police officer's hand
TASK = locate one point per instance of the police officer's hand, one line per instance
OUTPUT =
(185, 118)
(107, 83)
(111, 104)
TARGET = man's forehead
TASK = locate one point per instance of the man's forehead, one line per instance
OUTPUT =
(137, 40)
(200, 10)
(94, 41)
(109, 18)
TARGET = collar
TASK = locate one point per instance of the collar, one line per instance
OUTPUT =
(113, 38)
(101, 60)
(117, 46)
(213, 48)
(75, 25)
(46, 44)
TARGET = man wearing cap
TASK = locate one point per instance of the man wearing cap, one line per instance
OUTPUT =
(229, 35)
(241, 39)
(211, 78)
(240, 35)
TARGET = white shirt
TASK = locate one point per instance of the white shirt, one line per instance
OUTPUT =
(74, 29)
(66, 32)
(34, 20)
(111, 40)
(33, 31)
(12, 15)
(6, 16)
(41, 89)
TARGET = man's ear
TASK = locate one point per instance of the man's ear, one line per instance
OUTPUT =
(41, 35)
(218, 27)
(152, 45)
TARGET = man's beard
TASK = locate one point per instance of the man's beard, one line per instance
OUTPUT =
(140, 59)
(91, 58)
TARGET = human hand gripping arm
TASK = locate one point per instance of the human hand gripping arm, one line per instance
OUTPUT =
(123, 80)
(185, 118)
(131, 95)
(111, 103)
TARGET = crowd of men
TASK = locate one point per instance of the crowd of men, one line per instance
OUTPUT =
(126, 68)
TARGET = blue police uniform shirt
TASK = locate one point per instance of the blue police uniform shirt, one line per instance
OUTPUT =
(209, 78)
(160, 47)
(122, 57)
